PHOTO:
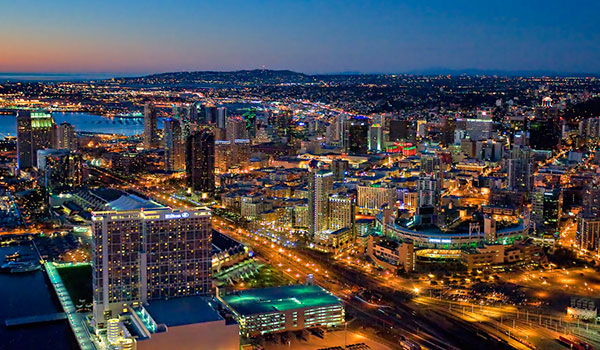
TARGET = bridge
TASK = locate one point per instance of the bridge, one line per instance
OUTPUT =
(20, 321)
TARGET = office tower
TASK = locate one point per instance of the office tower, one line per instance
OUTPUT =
(221, 117)
(459, 135)
(375, 137)
(150, 126)
(400, 130)
(479, 129)
(488, 150)
(521, 138)
(65, 137)
(358, 133)
(200, 163)
(467, 147)
(59, 169)
(35, 131)
(431, 164)
(591, 198)
(429, 191)
(339, 167)
(520, 169)
(235, 129)
(545, 129)
(241, 152)
(546, 207)
(588, 223)
(588, 233)
(447, 128)
(320, 186)
(340, 212)
(143, 254)
(422, 128)
(282, 122)
(372, 199)
(223, 156)
(174, 145)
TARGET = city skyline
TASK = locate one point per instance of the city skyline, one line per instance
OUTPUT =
(310, 37)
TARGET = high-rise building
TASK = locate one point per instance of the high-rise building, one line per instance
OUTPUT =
(588, 233)
(235, 129)
(422, 128)
(320, 186)
(142, 255)
(174, 145)
(358, 135)
(376, 137)
(591, 198)
(150, 126)
(429, 191)
(223, 157)
(65, 137)
(372, 199)
(339, 167)
(200, 163)
(479, 129)
(520, 169)
(545, 129)
(401, 131)
(35, 131)
(546, 207)
(340, 212)
(59, 169)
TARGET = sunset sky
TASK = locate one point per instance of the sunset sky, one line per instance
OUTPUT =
(309, 36)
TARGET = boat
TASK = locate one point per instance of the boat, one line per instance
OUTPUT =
(12, 257)
(20, 267)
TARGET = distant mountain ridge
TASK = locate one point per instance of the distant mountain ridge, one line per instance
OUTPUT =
(256, 77)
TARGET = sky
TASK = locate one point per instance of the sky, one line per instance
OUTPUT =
(326, 36)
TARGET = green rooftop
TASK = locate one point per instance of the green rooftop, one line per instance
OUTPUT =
(266, 300)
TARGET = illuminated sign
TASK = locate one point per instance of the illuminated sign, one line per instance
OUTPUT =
(437, 240)
(183, 215)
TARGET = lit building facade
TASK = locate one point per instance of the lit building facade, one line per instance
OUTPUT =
(143, 255)
(150, 127)
(287, 308)
(35, 131)
(200, 163)
(320, 185)
(174, 145)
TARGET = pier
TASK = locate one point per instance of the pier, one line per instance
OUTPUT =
(76, 320)
(27, 320)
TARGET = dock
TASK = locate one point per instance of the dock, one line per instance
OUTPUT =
(76, 320)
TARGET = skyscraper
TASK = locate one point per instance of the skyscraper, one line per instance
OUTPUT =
(152, 254)
(340, 212)
(520, 169)
(358, 133)
(320, 186)
(65, 137)
(59, 169)
(150, 133)
(35, 131)
(546, 207)
(200, 163)
(174, 145)
(376, 137)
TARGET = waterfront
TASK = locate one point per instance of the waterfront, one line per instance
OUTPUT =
(29, 294)
(83, 122)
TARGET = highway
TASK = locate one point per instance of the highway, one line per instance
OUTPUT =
(398, 318)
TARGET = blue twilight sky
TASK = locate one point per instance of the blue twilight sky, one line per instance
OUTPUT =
(142, 36)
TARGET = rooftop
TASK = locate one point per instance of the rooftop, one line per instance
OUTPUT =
(182, 311)
(265, 300)
(132, 202)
